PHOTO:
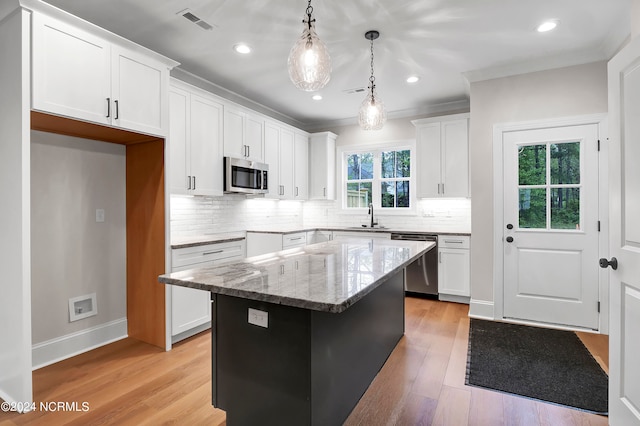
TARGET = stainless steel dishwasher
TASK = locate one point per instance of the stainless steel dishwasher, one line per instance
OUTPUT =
(421, 277)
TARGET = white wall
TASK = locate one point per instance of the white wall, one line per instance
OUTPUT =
(71, 254)
(563, 92)
(15, 296)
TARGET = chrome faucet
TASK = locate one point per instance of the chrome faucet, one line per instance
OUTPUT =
(371, 213)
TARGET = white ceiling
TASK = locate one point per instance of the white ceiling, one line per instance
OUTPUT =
(448, 43)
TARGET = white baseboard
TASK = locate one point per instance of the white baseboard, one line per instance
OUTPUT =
(481, 309)
(60, 348)
(453, 298)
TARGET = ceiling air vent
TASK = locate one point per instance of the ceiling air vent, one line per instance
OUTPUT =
(188, 14)
(353, 91)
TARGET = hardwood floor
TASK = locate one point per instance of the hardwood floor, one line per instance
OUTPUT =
(422, 383)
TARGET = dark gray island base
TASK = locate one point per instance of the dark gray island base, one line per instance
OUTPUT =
(335, 312)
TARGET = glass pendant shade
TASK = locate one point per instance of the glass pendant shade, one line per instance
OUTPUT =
(309, 62)
(372, 114)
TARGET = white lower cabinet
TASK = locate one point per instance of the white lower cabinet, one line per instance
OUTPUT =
(453, 268)
(191, 308)
(314, 237)
(268, 242)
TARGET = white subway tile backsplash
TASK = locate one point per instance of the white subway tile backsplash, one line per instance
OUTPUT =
(192, 216)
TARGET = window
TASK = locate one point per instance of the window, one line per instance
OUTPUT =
(549, 186)
(382, 177)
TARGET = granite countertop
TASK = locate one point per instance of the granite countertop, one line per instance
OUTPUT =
(327, 277)
(200, 240)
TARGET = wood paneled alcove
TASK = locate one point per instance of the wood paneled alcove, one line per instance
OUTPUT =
(145, 199)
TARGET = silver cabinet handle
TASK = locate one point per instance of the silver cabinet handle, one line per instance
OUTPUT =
(296, 191)
(294, 239)
(443, 189)
(117, 110)
(438, 188)
(108, 107)
(188, 182)
(324, 192)
(194, 182)
(281, 269)
(248, 150)
(212, 252)
(439, 257)
(453, 241)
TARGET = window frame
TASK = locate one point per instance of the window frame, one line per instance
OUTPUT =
(376, 191)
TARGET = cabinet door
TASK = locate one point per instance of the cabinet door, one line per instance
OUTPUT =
(322, 166)
(139, 90)
(206, 146)
(189, 307)
(428, 162)
(178, 141)
(286, 165)
(254, 137)
(453, 272)
(71, 74)
(272, 158)
(301, 167)
(234, 132)
(455, 158)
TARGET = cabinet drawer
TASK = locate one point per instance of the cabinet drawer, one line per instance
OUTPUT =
(233, 250)
(453, 241)
(294, 240)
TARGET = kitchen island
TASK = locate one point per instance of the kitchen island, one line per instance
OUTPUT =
(299, 335)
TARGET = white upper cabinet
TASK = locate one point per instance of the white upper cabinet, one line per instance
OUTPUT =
(272, 158)
(322, 166)
(279, 155)
(83, 75)
(301, 167)
(195, 142)
(243, 134)
(286, 164)
(443, 156)
(71, 71)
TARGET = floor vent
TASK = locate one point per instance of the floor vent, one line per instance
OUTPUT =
(188, 14)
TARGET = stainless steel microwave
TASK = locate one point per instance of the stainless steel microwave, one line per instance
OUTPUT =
(245, 176)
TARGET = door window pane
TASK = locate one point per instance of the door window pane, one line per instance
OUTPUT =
(533, 208)
(358, 194)
(532, 165)
(565, 163)
(565, 208)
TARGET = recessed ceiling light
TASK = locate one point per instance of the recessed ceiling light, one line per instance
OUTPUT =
(317, 97)
(242, 48)
(412, 79)
(547, 26)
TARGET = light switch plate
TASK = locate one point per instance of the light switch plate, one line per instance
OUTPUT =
(99, 215)
(259, 318)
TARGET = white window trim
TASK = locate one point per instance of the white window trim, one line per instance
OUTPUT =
(397, 145)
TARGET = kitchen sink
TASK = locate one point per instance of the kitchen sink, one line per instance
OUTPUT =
(364, 228)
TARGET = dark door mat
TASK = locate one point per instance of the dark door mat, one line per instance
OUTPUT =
(544, 364)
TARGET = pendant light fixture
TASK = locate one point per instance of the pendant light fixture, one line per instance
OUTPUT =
(309, 62)
(372, 114)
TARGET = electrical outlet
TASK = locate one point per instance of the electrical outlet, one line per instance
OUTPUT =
(259, 318)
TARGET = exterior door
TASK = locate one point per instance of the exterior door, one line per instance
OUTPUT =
(624, 210)
(551, 226)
